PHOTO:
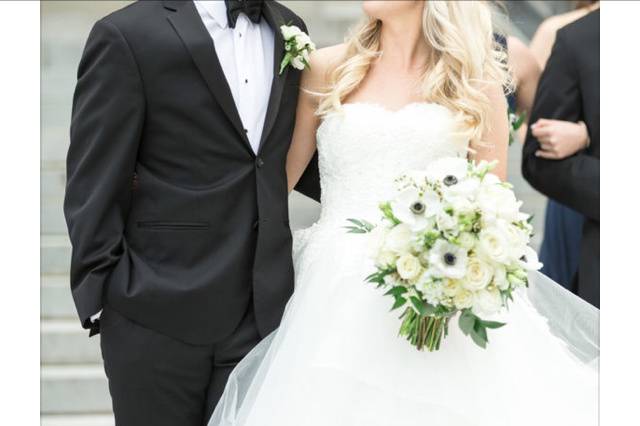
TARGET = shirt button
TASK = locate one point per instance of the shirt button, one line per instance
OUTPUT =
(246, 80)
(259, 162)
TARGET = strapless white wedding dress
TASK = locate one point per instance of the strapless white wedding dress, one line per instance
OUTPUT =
(337, 360)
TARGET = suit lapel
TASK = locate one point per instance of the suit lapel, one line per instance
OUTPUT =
(275, 20)
(187, 23)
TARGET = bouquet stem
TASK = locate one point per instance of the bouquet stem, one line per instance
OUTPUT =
(424, 331)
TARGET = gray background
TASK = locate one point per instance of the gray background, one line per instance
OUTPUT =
(74, 391)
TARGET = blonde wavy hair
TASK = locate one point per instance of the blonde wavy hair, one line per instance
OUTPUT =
(465, 58)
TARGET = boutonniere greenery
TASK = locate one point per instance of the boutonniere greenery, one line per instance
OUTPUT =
(298, 46)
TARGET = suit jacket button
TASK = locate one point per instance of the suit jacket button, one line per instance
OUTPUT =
(259, 162)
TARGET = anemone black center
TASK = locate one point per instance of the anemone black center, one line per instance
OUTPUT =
(418, 207)
(450, 180)
(449, 259)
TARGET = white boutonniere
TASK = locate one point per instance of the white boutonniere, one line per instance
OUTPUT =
(298, 46)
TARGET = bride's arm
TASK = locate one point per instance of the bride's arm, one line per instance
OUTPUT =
(496, 138)
(303, 144)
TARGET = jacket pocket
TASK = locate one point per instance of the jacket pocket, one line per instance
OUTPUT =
(173, 226)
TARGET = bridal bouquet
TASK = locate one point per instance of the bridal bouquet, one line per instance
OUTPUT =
(452, 242)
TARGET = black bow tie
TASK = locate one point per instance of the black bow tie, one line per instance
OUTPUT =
(251, 8)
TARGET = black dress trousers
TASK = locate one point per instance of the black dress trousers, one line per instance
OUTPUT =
(155, 380)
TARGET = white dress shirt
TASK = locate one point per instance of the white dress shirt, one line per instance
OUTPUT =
(246, 55)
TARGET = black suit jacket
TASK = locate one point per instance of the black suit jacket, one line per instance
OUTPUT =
(569, 89)
(174, 221)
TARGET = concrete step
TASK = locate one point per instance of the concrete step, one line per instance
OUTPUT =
(55, 254)
(56, 301)
(77, 420)
(77, 389)
(64, 342)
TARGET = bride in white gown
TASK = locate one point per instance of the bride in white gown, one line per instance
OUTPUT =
(336, 358)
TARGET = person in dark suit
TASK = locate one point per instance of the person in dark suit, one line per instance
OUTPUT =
(176, 199)
(569, 89)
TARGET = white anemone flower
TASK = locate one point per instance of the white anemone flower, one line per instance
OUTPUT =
(414, 208)
(448, 171)
(529, 260)
(448, 260)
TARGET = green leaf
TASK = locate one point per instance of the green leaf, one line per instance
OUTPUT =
(396, 291)
(400, 301)
(492, 324)
(466, 322)
(419, 305)
(479, 339)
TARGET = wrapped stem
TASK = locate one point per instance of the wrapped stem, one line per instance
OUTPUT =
(424, 332)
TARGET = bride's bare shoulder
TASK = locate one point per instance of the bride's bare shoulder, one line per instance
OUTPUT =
(321, 63)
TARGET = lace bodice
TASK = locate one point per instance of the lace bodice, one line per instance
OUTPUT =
(365, 146)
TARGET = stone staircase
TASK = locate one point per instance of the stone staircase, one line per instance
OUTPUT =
(74, 389)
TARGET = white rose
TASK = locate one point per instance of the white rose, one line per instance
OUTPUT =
(377, 237)
(496, 201)
(463, 299)
(478, 275)
(500, 277)
(297, 63)
(493, 245)
(290, 31)
(487, 302)
(399, 239)
(302, 40)
(451, 287)
(385, 258)
(408, 266)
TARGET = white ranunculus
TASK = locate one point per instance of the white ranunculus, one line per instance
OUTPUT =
(290, 31)
(463, 299)
(487, 302)
(448, 260)
(454, 167)
(478, 274)
(493, 245)
(399, 239)
(408, 266)
(530, 260)
(500, 277)
(467, 240)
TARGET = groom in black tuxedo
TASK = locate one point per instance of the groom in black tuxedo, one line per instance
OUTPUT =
(569, 89)
(176, 198)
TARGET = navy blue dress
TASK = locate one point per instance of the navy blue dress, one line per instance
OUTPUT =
(560, 250)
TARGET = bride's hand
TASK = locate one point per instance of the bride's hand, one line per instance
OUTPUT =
(559, 139)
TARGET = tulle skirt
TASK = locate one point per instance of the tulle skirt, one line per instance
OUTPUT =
(337, 359)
